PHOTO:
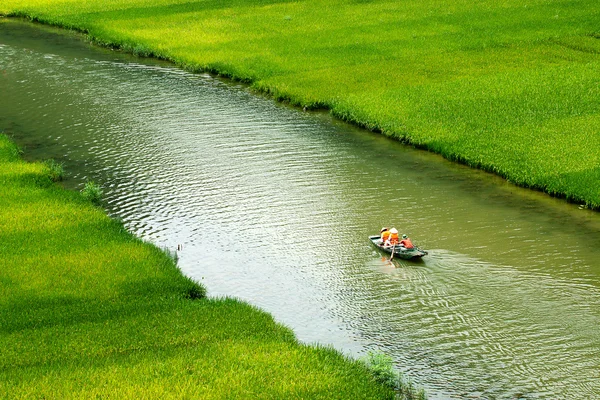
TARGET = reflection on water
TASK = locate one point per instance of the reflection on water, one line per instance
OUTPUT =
(274, 206)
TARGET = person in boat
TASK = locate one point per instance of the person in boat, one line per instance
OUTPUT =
(393, 238)
(406, 242)
(385, 234)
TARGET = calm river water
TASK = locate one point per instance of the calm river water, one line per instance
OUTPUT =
(274, 206)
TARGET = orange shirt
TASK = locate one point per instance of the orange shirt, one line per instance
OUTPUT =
(385, 235)
(407, 243)
(394, 238)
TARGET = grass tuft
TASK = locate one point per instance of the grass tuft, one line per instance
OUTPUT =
(195, 291)
(92, 192)
(56, 170)
(381, 366)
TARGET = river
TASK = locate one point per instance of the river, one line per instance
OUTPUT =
(273, 205)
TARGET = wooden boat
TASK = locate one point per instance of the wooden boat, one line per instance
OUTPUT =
(399, 251)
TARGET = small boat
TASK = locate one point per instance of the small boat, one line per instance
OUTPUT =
(399, 251)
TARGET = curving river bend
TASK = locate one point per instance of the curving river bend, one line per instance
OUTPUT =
(274, 206)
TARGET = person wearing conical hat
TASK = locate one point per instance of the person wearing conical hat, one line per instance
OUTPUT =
(394, 238)
(385, 234)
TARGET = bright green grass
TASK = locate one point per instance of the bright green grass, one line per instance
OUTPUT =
(89, 311)
(508, 86)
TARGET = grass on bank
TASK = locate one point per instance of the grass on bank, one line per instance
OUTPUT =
(510, 87)
(89, 311)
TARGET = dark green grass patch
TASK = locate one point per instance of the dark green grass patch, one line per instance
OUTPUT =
(89, 311)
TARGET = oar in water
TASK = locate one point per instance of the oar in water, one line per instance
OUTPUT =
(393, 248)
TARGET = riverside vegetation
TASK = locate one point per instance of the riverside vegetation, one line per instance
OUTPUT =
(510, 87)
(88, 311)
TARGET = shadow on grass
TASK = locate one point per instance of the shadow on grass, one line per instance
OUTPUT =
(174, 9)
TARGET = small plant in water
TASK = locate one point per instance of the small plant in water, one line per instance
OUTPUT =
(17, 151)
(56, 170)
(92, 192)
(381, 365)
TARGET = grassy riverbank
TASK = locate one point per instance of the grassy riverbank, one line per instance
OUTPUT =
(87, 310)
(510, 87)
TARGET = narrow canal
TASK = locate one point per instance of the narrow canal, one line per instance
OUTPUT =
(274, 206)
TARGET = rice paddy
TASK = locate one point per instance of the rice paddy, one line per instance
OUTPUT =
(508, 87)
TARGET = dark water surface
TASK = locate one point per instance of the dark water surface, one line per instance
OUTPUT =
(274, 206)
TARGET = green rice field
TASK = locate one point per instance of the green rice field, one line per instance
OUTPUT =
(511, 87)
(89, 311)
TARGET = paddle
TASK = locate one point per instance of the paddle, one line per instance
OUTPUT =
(393, 248)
